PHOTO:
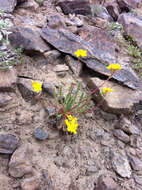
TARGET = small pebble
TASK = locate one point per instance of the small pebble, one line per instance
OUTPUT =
(40, 134)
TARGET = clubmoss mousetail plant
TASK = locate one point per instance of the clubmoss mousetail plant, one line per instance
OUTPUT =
(75, 102)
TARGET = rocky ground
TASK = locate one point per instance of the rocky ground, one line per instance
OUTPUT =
(106, 153)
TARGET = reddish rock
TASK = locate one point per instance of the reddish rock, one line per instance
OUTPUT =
(132, 26)
(30, 184)
(106, 183)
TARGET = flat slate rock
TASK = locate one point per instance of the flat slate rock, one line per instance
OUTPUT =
(97, 59)
(8, 5)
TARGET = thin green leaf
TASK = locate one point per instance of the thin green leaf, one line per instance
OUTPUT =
(69, 105)
(68, 95)
(61, 95)
(76, 93)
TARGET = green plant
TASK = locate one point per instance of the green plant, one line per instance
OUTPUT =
(96, 10)
(73, 103)
(134, 51)
(40, 2)
(115, 26)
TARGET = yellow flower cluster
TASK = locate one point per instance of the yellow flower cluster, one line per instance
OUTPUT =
(114, 67)
(81, 53)
(105, 90)
(71, 123)
(37, 86)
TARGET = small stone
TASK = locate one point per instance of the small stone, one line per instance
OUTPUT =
(135, 163)
(52, 56)
(40, 134)
(121, 165)
(134, 141)
(61, 74)
(48, 88)
(4, 99)
(8, 143)
(121, 135)
(51, 111)
(8, 79)
(60, 68)
(75, 65)
(73, 29)
(138, 179)
(127, 127)
(1, 38)
(19, 164)
(32, 183)
(106, 183)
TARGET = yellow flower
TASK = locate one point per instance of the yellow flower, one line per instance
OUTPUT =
(37, 86)
(114, 67)
(72, 124)
(81, 53)
(105, 90)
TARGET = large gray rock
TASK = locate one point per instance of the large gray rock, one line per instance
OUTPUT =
(29, 39)
(121, 100)
(132, 26)
(8, 5)
(8, 143)
(100, 48)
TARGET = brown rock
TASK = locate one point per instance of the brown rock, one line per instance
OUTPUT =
(26, 89)
(8, 79)
(8, 143)
(113, 10)
(132, 25)
(55, 21)
(30, 184)
(29, 39)
(121, 100)
(52, 56)
(106, 183)
(19, 164)
(129, 3)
